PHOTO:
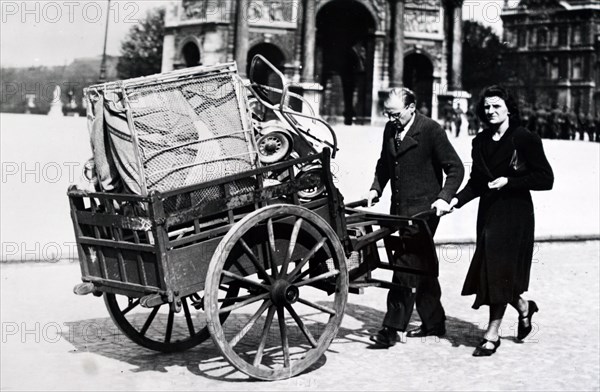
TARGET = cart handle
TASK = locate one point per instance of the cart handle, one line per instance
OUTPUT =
(363, 203)
(359, 203)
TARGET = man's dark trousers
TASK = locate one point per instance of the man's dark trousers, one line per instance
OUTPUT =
(401, 301)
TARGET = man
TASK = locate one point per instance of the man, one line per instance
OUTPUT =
(458, 115)
(415, 154)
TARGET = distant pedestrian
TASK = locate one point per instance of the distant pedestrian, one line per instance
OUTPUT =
(564, 124)
(448, 114)
(581, 124)
(554, 122)
(473, 121)
(573, 124)
(457, 117)
(508, 163)
(590, 126)
(542, 121)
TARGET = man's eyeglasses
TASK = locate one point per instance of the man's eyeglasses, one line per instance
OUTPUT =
(395, 116)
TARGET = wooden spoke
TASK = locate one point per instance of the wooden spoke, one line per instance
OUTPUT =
(284, 338)
(243, 303)
(169, 326)
(317, 306)
(240, 268)
(235, 299)
(291, 246)
(301, 325)
(188, 316)
(132, 305)
(263, 337)
(245, 280)
(306, 258)
(240, 335)
(255, 261)
(271, 234)
(317, 278)
(149, 320)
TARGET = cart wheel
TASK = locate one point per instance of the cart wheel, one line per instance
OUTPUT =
(311, 193)
(273, 147)
(160, 328)
(289, 262)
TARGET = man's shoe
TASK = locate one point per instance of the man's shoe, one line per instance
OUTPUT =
(421, 332)
(386, 337)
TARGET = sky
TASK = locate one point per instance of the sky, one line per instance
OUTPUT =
(56, 32)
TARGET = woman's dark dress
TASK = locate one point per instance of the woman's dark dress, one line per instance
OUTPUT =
(499, 271)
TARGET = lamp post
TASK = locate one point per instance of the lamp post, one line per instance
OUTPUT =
(102, 77)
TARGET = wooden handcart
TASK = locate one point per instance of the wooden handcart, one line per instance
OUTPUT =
(262, 269)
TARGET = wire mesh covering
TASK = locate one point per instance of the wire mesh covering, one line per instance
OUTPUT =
(182, 131)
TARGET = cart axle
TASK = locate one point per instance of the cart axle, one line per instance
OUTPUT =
(283, 293)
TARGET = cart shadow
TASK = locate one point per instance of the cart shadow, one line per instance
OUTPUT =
(458, 332)
(101, 336)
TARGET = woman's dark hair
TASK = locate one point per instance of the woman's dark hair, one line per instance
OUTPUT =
(514, 117)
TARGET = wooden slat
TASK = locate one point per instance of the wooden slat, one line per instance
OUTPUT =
(117, 244)
(241, 200)
(134, 287)
(123, 222)
(107, 195)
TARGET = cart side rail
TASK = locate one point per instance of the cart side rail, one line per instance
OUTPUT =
(136, 245)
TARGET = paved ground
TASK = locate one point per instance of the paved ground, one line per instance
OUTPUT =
(54, 340)
(42, 156)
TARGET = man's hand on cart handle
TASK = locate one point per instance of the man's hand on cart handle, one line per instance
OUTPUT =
(373, 198)
(441, 207)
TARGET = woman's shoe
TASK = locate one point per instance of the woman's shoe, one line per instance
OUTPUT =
(524, 330)
(482, 351)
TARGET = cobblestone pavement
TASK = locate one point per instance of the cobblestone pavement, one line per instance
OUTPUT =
(54, 340)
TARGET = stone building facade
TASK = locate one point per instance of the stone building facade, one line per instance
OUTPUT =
(342, 53)
(555, 52)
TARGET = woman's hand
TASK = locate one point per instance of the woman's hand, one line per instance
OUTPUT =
(498, 183)
(453, 203)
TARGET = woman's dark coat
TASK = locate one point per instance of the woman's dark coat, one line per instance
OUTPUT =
(499, 271)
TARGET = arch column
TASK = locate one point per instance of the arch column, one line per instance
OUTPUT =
(397, 44)
(456, 83)
(308, 53)
(241, 37)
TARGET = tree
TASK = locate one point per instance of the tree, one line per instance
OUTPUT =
(141, 50)
(482, 58)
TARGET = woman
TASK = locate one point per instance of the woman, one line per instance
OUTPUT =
(508, 162)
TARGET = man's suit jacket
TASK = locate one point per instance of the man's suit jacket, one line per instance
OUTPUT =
(415, 170)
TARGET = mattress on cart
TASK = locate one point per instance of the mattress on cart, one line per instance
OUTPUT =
(171, 130)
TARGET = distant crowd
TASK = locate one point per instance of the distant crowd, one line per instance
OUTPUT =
(547, 122)
(566, 124)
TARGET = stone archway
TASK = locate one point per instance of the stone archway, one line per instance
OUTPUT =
(190, 54)
(270, 51)
(418, 76)
(344, 66)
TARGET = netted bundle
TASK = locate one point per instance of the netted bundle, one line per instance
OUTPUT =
(172, 130)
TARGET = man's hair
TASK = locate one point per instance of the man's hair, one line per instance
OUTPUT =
(405, 95)
(500, 92)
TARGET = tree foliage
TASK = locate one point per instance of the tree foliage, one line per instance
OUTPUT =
(482, 58)
(141, 50)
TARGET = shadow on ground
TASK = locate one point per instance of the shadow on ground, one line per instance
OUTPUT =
(458, 332)
(101, 336)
